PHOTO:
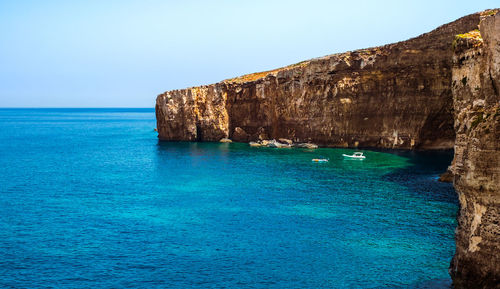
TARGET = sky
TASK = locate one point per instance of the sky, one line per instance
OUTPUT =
(124, 53)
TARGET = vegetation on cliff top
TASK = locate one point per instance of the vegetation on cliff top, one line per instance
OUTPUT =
(475, 34)
(489, 12)
(471, 39)
(258, 75)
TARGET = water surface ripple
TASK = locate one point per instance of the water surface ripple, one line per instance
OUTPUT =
(90, 199)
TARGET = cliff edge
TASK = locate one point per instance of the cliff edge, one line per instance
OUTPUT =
(476, 166)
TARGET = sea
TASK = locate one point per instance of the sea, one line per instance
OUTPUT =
(89, 198)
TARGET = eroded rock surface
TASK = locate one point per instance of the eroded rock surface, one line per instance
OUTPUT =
(193, 114)
(476, 86)
(393, 96)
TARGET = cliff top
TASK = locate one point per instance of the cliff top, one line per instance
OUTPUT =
(472, 39)
(489, 12)
(260, 75)
(429, 40)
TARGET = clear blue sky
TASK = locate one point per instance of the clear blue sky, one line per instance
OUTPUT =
(123, 53)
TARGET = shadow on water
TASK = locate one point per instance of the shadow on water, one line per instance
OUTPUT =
(431, 284)
(421, 176)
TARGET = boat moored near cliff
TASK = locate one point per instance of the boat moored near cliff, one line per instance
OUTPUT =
(355, 156)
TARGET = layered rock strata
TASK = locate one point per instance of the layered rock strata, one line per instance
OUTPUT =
(476, 166)
(393, 96)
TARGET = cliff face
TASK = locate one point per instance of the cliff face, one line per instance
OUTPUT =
(419, 93)
(193, 114)
(395, 96)
(476, 90)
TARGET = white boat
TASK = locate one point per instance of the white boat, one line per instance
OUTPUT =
(320, 160)
(356, 155)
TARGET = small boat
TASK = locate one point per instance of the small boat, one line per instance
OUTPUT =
(320, 160)
(356, 155)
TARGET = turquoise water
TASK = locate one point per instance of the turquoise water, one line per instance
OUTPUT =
(90, 199)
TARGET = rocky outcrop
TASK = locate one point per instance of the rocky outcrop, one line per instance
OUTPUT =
(476, 166)
(193, 114)
(394, 96)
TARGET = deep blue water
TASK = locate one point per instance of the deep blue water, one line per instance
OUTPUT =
(90, 199)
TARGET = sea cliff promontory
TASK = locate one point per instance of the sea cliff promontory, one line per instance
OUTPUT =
(393, 96)
(439, 90)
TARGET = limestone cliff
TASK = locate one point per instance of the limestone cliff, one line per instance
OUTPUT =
(395, 96)
(476, 91)
(434, 91)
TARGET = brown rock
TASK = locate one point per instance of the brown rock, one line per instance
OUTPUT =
(262, 134)
(192, 114)
(240, 135)
(475, 86)
(259, 135)
(285, 140)
(446, 177)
